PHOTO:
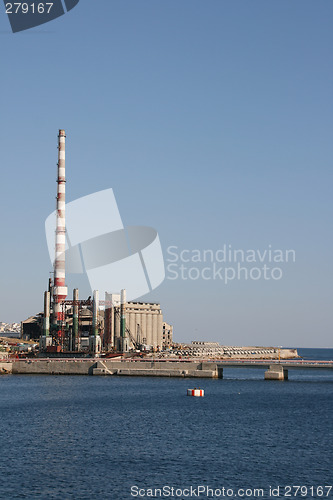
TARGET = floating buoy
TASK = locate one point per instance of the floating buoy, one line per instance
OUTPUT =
(195, 392)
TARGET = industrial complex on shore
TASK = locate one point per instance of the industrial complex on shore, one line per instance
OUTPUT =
(108, 326)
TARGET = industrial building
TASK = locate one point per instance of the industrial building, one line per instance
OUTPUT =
(145, 325)
(167, 335)
(32, 327)
(144, 322)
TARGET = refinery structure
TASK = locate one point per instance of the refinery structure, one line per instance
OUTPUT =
(93, 325)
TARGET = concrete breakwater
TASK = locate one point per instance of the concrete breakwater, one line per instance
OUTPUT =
(108, 367)
(206, 350)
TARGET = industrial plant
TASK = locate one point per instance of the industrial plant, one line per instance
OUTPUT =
(79, 327)
(110, 326)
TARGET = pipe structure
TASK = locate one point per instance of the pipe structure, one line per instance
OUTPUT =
(75, 318)
(95, 313)
(123, 314)
(60, 289)
(108, 322)
(46, 322)
(123, 335)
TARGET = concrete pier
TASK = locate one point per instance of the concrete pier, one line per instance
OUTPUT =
(109, 367)
(276, 372)
(154, 367)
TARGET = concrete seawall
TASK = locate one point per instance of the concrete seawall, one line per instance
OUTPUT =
(122, 368)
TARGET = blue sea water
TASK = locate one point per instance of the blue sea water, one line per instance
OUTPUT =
(65, 437)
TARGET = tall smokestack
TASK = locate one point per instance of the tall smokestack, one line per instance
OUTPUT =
(60, 289)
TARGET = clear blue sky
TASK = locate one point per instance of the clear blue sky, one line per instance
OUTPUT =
(212, 122)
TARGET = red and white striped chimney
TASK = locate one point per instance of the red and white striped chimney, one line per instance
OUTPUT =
(60, 289)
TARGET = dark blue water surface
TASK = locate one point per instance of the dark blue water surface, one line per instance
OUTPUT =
(65, 437)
